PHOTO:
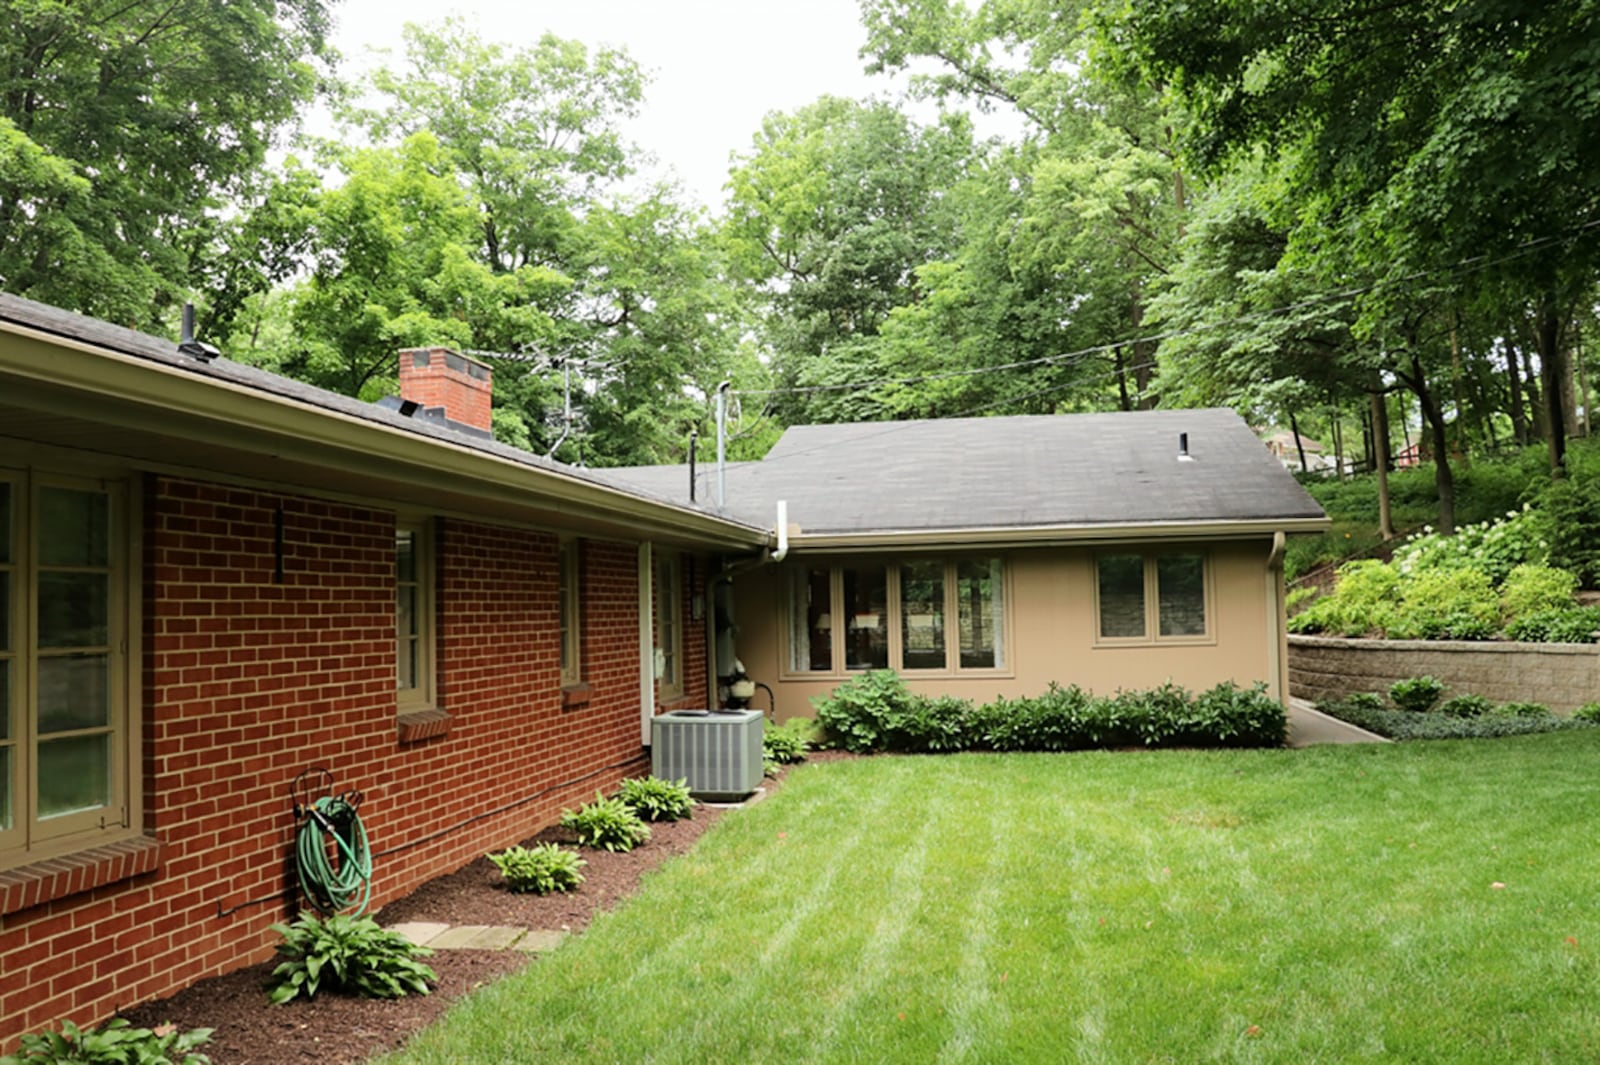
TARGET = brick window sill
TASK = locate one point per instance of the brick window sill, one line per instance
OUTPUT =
(34, 884)
(575, 697)
(422, 725)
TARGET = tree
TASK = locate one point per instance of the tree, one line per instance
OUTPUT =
(122, 125)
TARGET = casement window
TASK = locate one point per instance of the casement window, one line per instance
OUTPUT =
(571, 643)
(414, 644)
(66, 728)
(921, 615)
(1147, 597)
(669, 623)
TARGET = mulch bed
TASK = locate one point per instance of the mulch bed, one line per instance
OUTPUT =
(342, 1030)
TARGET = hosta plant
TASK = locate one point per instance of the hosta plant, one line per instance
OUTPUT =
(348, 954)
(654, 799)
(606, 824)
(539, 869)
(114, 1043)
(1417, 695)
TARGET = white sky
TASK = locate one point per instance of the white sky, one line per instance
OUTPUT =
(717, 66)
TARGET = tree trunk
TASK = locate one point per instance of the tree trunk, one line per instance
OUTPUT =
(1553, 364)
(1539, 422)
(1460, 395)
(1338, 447)
(1122, 380)
(1380, 460)
(1443, 477)
(1583, 378)
(1294, 429)
(1519, 419)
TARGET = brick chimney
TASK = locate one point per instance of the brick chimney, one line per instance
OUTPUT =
(438, 377)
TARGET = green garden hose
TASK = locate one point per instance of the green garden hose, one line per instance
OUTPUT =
(331, 889)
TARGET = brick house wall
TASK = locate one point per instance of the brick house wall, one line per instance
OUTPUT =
(247, 681)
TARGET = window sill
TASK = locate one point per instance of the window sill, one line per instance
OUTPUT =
(971, 673)
(575, 696)
(1105, 643)
(71, 874)
(419, 725)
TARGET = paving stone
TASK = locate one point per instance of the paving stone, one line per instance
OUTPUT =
(541, 940)
(422, 933)
(475, 937)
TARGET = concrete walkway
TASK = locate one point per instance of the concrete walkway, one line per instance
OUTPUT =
(1308, 726)
(437, 936)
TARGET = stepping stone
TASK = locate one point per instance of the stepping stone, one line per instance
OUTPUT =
(475, 937)
(421, 933)
(541, 940)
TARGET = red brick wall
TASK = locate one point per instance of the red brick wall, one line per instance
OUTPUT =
(465, 399)
(247, 681)
(694, 690)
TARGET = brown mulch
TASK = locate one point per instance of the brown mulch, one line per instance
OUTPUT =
(342, 1030)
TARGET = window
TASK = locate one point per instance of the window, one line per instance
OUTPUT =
(900, 617)
(669, 623)
(571, 666)
(413, 615)
(1141, 594)
(64, 706)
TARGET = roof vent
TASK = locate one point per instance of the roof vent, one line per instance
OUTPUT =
(1183, 448)
(188, 345)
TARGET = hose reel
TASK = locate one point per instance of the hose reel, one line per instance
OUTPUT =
(332, 858)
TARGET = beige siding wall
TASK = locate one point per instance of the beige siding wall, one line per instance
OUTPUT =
(1051, 631)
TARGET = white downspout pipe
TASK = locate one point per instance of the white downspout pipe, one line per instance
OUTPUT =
(1277, 638)
(647, 649)
(783, 531)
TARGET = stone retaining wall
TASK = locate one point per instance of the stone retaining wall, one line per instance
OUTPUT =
(1563, 676)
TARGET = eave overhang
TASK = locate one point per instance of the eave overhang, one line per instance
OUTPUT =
(979, 538)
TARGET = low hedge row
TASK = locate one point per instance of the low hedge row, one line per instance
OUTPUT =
(875, 711)
(1514, 719)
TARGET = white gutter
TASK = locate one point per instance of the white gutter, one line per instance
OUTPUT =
(1044, 535)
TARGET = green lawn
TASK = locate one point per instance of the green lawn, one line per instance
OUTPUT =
(1410, 902)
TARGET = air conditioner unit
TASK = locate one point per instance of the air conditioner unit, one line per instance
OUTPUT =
(719, 753)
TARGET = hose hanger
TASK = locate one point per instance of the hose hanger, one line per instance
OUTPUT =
(332, 857)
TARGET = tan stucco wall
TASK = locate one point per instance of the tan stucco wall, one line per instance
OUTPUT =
(1050, 631)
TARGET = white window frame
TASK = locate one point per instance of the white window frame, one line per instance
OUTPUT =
(30, 839)
(569, 608)
(894, 609)
(1152, 598)
(669, 623)
(424, 693)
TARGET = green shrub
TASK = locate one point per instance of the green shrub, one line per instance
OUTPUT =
(1363, 601)
(114, 1043)
(1237, 717)
(1575, 624)
(606, 824)
(1150, 718)
(930, 725)
(1466, 706)
(1531, 589)
(859, 714)
(1570, 510)
(539, 869)
(787, 743)
(347, 954)
(1062, 719)
(654, 799)
(1446, 604)
(1493, 548)
(1366, 700)
(1416, 695)
(1587, 712)
(1523, 710)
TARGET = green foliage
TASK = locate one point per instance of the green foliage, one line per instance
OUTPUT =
(1466, 706)
(608, 824)
(1589, 712)
(1403, 725)
(540, 869)
(654, 799)
(1575, 624)
(1364, 600)
(1516, 709)
(1457, 604)
(1493, 548)
(114, 1043)
(1069, 719)
(785, 744)
(859, 714)
(1416, 695)
(1531, 589)
(346, 954)
(1366, 701)
(1571, 511)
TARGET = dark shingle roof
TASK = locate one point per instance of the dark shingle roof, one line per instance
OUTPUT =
(1032, 471)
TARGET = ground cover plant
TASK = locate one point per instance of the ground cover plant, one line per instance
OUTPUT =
(1418, 714)
(606, 824)
(875, 711)
(347, 954)
(114, 1043)
(541, 868)
(654, 799)
(1386, 902)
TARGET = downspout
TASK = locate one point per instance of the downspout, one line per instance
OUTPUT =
(783, 532)
(716, 667)
(1277, 635)
(647, 650)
